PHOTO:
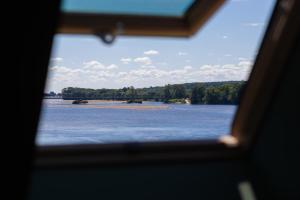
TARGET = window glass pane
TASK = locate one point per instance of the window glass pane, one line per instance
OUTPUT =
(137, 7)
(143, 89)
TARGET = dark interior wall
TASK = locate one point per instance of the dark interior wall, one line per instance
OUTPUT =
(275, 158)
(212, 180)
(26, 44)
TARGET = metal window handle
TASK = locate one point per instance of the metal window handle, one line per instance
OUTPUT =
(109, 38)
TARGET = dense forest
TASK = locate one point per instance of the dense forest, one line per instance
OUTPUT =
(198, 93)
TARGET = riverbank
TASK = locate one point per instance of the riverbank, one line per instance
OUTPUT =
(226, 93)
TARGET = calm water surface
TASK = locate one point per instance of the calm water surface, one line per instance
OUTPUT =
(111, 122)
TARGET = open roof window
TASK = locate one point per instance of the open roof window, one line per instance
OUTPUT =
(132, 17)
(129, 7)
(149, 89)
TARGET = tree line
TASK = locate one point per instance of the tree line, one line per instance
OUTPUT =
(227, 92)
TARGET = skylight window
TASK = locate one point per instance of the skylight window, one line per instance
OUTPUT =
(129, 7)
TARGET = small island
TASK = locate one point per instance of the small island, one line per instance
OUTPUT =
(134, 101)
(80, 101)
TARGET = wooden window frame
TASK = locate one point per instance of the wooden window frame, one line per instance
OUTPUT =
(120, 24)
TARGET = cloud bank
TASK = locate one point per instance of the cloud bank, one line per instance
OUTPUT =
(94, 74)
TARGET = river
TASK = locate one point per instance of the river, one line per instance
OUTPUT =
(112, 122)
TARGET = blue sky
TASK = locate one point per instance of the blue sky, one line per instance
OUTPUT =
(222, 50)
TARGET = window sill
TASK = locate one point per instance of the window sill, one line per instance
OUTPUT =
(135, 153)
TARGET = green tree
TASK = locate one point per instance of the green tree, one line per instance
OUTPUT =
(211, 96)
(197, 95)
(179, 92)
(131, 93)
(167, 93)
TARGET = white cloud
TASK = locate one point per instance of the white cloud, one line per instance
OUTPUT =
(152, 76)
(60, 69)
(112, 66)
(224, 36)
(126, 60)
(93, 65)
(151, 52)
(182, 53)
(242, 59)
(143, 60)
(226, 72)
(162, 63)
(96, 65)
(148, 67)
(90, 75)
(227, 55)
(57, 59)
(245, 63)
(187, 67)
(239, 0)
(253, 24)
